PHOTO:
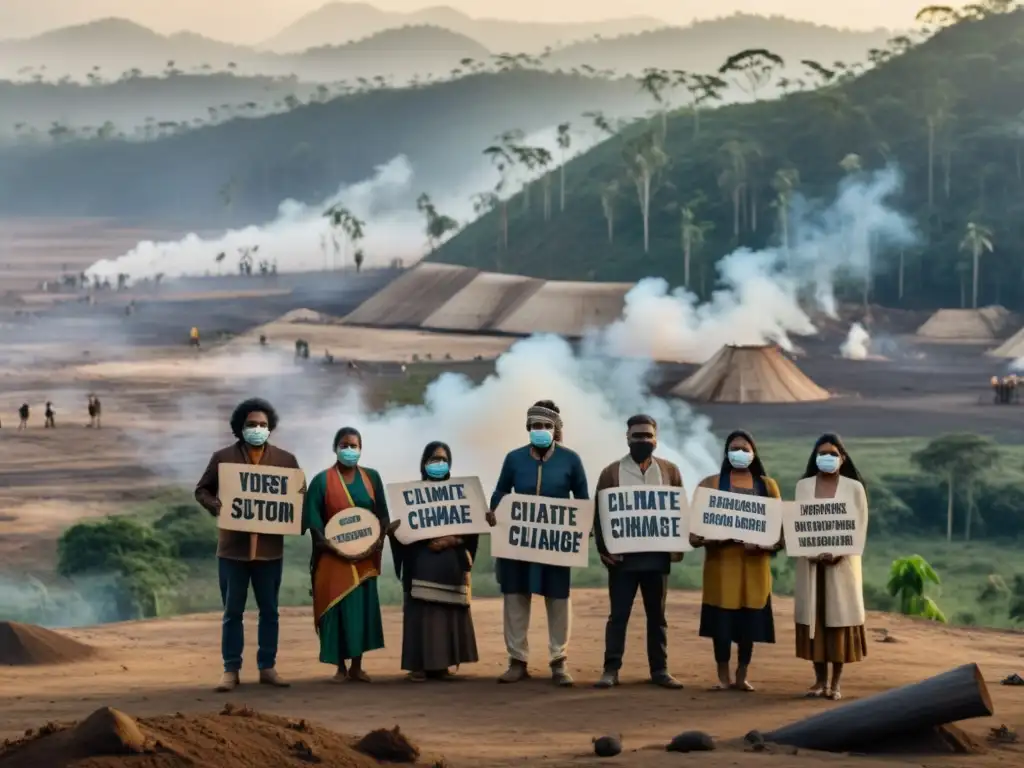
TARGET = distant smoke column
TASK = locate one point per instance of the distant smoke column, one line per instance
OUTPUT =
(857, 344)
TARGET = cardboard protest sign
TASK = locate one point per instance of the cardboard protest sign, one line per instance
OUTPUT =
(428, 510)
(723, 516)
(352, 532)
(644, 518)
(816, 527)
(259, 499)
(536, 529)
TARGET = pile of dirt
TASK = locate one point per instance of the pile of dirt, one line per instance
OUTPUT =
(941, 740)
(29, 645)
(234, 738)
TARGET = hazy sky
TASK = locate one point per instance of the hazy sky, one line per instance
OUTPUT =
(254, 20)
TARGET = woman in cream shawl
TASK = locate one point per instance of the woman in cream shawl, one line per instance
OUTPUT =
(829, 590)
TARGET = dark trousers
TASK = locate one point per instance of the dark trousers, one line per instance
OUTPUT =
(235, 577)
(622, 587)
(723, 651)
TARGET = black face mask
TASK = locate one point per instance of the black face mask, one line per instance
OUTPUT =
(640, 452)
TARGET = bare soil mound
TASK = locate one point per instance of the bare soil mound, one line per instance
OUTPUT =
(234, 738)
(29, 645)
(941, 740)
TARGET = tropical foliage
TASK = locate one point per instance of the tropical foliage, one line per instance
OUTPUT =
(945, 112)
(909, 578)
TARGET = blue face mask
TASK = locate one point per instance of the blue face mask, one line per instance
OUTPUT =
(256, 436)
(740, 459)
(348, 457)
(541, 438)
(437, 470)
(827, 463)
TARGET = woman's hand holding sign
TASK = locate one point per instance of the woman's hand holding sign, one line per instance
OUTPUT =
(492, 520)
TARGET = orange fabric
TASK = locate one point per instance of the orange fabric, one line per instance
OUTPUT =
(335, 578)
(255, 453)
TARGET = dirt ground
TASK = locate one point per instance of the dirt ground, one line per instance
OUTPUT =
(154, 667)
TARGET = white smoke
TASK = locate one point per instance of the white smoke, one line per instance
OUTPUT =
(762, 292)
(481, 422)
(300, 239)
(857, 345)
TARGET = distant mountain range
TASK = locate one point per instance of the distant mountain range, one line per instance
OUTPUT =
(338, 22)
(111, 47)
(704, 45)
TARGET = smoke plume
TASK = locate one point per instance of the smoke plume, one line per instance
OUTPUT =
(300, 239)
(762, 294)
(857, 345)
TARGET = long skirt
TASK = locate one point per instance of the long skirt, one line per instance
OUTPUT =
(836, 645)
(436, 636)
(740, 625)
(352, 627)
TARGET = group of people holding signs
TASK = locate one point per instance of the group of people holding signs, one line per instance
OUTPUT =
(540, 517)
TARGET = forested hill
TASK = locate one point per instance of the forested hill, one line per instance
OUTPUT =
(304, 154)
(952, 104)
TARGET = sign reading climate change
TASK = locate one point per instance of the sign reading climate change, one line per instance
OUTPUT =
(428, 510)
(644, 518)
(824, 527)
(723, 516)
(536, 529)
(260, 499)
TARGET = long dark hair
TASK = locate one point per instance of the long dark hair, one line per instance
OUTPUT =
(847, 468)
(756, 466)
(428, 453)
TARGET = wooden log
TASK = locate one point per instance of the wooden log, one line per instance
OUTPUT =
(959, 694)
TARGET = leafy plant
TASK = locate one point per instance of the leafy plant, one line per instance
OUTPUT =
(908, 578)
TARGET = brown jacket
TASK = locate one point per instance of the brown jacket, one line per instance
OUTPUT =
(637, 561)
(238, 545)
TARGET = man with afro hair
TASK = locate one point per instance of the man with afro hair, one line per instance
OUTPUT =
(247, 558)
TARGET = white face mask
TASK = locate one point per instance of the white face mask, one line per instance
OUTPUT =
(255, 436)
(740, 459)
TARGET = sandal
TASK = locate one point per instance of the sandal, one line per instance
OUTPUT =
(416, 677)
(358, 676)
(834, 695)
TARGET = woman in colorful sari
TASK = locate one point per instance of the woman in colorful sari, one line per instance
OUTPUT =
(829, 591)
(437, 629)
(346, 607)
(737, 599)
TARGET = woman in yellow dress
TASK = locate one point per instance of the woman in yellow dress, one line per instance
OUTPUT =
(736, 606)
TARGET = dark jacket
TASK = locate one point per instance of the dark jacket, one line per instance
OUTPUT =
(637, 561)
(238, 545)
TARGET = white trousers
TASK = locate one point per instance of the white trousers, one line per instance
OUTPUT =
(517, 626)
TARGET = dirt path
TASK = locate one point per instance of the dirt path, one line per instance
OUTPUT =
(170, 665)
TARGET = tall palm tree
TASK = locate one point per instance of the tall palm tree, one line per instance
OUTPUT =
(564, 143)
(703, 89)
(977, 240)
(645, 160)
(654, 82)
(937, 102)
(784, 183)
(755, 65)
(609, 194)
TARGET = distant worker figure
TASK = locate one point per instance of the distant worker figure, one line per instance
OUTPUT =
(1010, 388)
(263, 339)
(302, 349)
(193, 337)
(50, 422)
(23, 413)
(94, 411)
(996, 389)
(328, 357)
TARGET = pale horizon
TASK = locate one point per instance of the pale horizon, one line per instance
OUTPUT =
(253, 21)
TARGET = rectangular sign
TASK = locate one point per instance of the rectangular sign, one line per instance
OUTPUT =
(724, 516)
(536, 529)
(644, 518)
(259, 499)
(824, 527)
(429, 510)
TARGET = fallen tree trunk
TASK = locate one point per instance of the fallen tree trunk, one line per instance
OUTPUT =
(959, 694)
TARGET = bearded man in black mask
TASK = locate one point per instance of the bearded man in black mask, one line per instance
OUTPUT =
(646, 571)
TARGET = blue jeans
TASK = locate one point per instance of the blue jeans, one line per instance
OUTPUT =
(235, 576)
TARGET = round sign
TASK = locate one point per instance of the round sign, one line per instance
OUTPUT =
(353, 532)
